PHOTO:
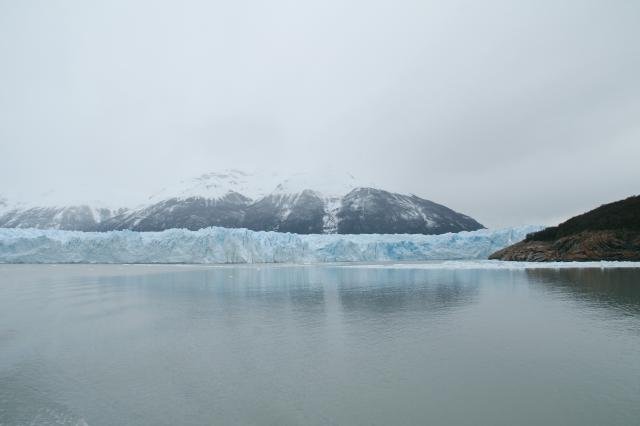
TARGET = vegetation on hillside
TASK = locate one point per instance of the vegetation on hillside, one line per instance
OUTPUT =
(620, 215)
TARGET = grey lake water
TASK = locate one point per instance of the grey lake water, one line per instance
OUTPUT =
(316, 345)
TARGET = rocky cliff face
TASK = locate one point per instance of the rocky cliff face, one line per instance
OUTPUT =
(584, 246)
(610, 232)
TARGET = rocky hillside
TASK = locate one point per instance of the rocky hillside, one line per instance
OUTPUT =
(610, 232)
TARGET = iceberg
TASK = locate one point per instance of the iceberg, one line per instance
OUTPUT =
(217, 245)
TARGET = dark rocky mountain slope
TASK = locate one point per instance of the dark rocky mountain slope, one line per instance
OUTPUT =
(371, 211)
(361, 211)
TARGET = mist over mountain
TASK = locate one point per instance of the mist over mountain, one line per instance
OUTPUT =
(301, 203)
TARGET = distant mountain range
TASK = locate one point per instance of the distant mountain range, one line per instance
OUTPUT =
(609, 232)
(234, 199)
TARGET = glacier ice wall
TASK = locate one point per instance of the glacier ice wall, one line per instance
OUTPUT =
(223, 245)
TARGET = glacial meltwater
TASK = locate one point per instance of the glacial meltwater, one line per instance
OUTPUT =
(435, 344)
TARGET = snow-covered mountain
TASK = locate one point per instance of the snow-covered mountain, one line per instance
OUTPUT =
(45, 213)
(299, 203)
(78, 218)
(213, 186)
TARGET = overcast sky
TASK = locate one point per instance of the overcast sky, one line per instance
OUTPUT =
(512, 112)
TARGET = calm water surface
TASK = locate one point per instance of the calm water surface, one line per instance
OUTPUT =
(182, 345)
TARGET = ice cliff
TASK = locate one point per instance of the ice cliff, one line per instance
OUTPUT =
(223, 245)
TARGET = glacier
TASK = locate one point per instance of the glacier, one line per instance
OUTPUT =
(217, 245)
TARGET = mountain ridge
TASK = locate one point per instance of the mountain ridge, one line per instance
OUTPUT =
(266, 202)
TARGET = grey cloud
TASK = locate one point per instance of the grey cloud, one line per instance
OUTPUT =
(512, 112)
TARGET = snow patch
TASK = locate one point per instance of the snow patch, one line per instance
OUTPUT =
(330, 218)
(326, 186)
(216, 185)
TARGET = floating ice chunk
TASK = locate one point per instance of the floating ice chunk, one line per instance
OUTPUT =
(474, 264)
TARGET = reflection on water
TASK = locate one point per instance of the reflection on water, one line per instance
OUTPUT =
(616, 289)
(392, 293)
(317, 345)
